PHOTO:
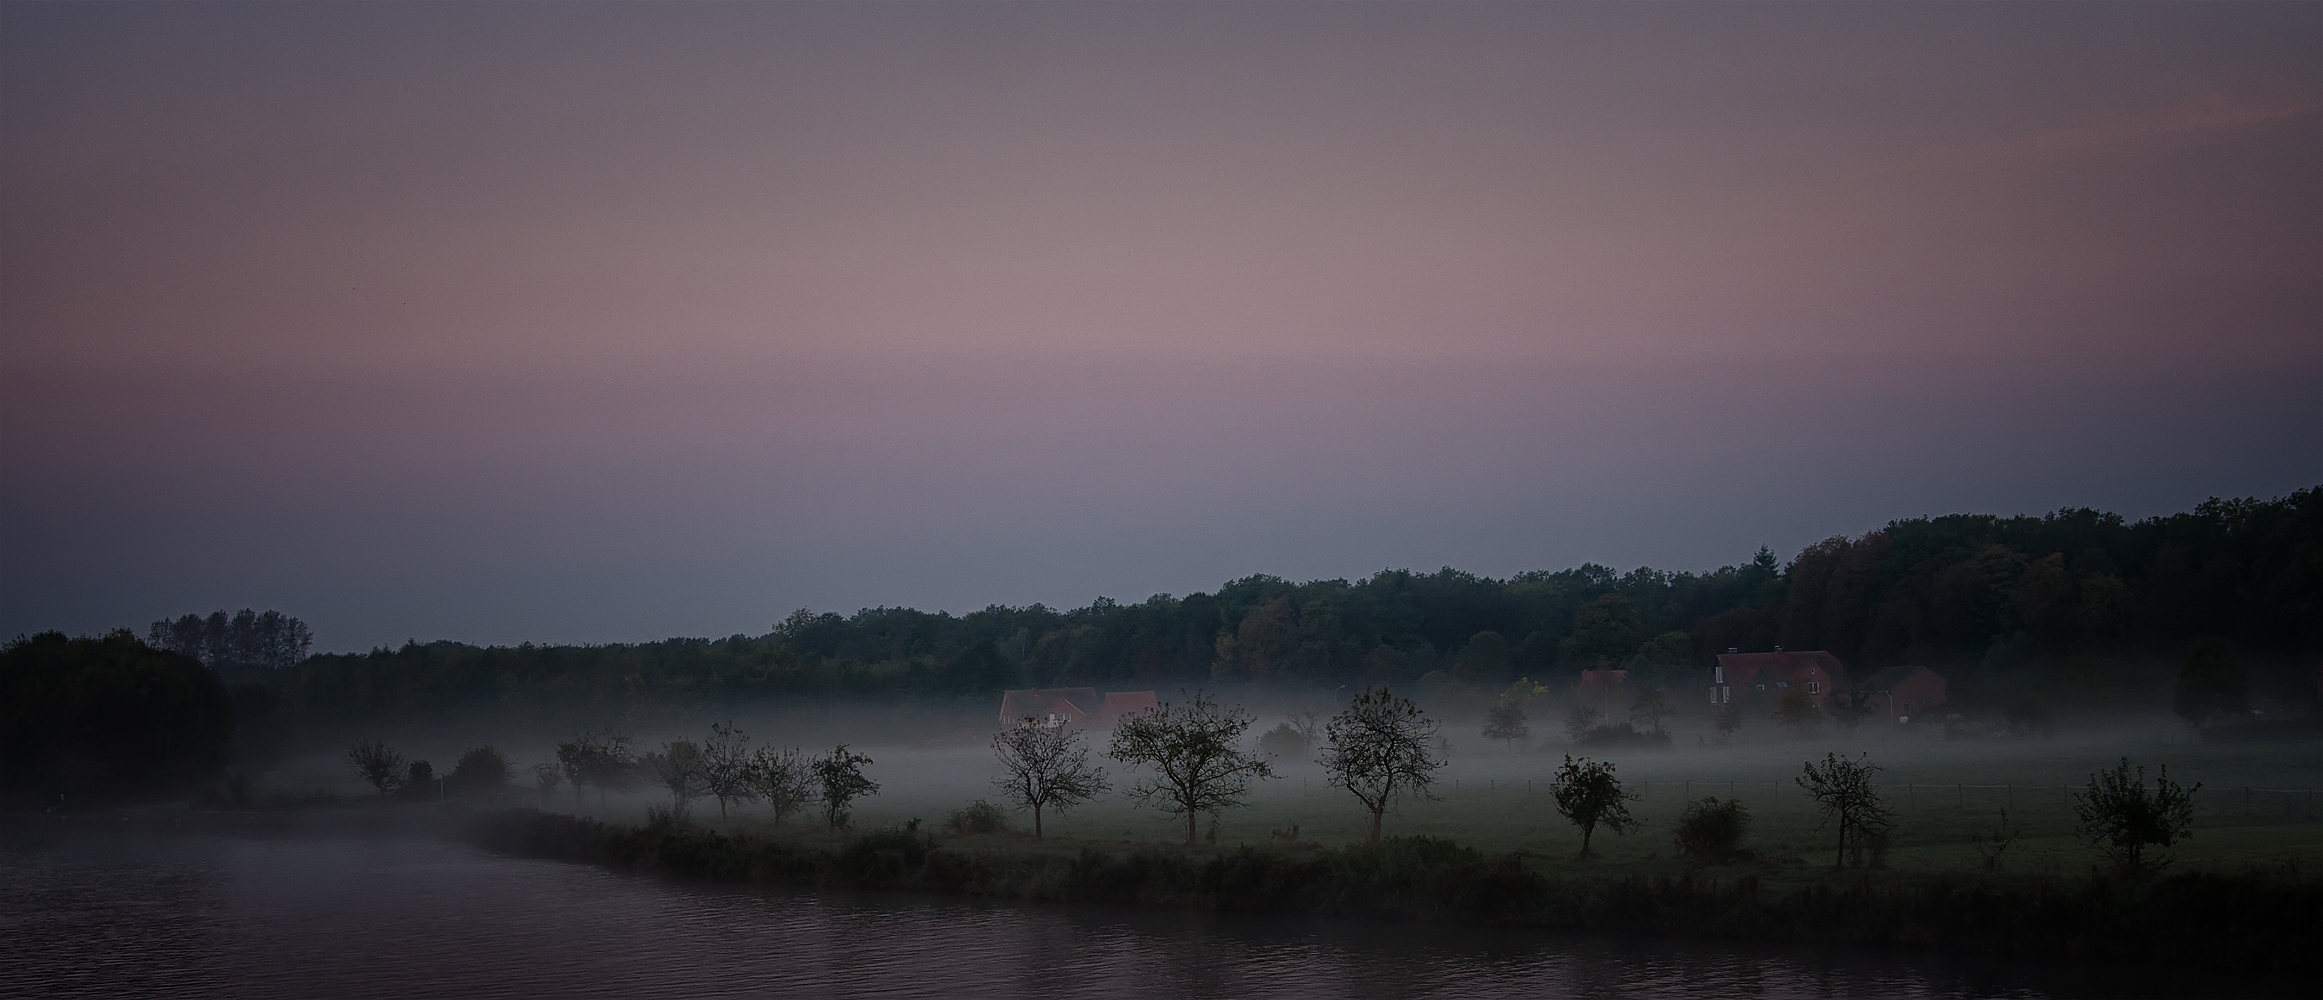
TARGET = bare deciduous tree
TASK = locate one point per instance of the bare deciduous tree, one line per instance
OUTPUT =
(1842, 788)
(603, 761)
(2122, 818)
(726, 765)
(1048, 768)
(840, 774)
(547, 777)
(1650, 708)
(679, 768)
(1589, 794)
(1378, 748)
(1582, 720)
(1505, 721)
(1195, 755)
(378, 765)
(782, 779)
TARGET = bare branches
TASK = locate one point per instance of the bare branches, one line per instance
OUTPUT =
(2122, 818)
(726, 765)
(1843, 789)
(1378, 748)
(840, 774)
(679, 767)
(1195, 756)
(377, 764)
(1047, 768)
(781, 779)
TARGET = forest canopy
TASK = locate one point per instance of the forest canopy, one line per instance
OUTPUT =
(2075, 590)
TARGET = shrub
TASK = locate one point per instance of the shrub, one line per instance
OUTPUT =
(976, 817)
(480, 772)
(1284, 740)
(1711, 830)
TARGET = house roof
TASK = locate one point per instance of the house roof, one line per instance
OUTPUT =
(1886, 680)
(1035, 702)
(1742, 668)
(1120, 703)
(1601, 680)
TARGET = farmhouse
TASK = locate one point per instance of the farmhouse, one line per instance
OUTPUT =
(1601, 687)
(1816, 672)
(1076, 707)
(1901, 692)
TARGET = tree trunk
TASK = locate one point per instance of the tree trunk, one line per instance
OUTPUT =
(1036, 821)
(1586, 831)
(1190, 820)
(1375, 826)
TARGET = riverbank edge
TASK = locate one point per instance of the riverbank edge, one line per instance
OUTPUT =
(2241, 923)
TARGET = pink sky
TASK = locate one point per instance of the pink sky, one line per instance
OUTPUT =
(613, 322)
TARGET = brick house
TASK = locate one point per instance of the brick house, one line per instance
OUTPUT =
(1816, 672)
(1898, 693)
(1076, 706)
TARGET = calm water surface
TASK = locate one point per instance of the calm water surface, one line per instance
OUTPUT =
(213, 916)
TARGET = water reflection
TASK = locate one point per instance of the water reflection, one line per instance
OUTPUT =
(262, 918)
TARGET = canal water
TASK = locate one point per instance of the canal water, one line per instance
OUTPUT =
(150, 915)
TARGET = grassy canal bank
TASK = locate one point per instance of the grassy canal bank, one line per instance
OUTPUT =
(2255, 921)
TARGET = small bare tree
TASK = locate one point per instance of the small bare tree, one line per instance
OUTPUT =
(782, 779)
(1582, 720)
(602, 761)
(547, 777)
(1589, 794)
(840, 773)
(679, 767)
(1842, 788)
(1650, 708)
(1047, 768)
(726, 765)
(2122, 818)
(1195, 755)
(379, 766)
(1378, 748)
(1728, 720)
(1505, 722)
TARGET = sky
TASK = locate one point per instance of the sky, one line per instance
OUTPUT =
(608, 322)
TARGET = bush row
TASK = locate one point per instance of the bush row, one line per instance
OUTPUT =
(2250, 922)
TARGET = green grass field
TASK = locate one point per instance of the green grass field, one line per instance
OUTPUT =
(1945, 795)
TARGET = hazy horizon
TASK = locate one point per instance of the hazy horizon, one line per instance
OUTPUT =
(612, 323)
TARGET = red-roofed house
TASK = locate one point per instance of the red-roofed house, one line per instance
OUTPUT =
(1816, 672)
(1050, 706)
(1075, 707)
(1600, 687)
(1120, 703)
(1902, 692)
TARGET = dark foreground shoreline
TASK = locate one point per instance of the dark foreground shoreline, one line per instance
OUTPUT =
(2247, 924)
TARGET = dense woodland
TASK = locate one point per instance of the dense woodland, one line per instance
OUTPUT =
(2079, 603)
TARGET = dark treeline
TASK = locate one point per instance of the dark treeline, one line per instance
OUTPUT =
(106, 717)
(2078, 597)
(241, 643)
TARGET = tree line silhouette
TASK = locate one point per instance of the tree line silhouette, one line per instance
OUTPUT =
(2075, 594)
